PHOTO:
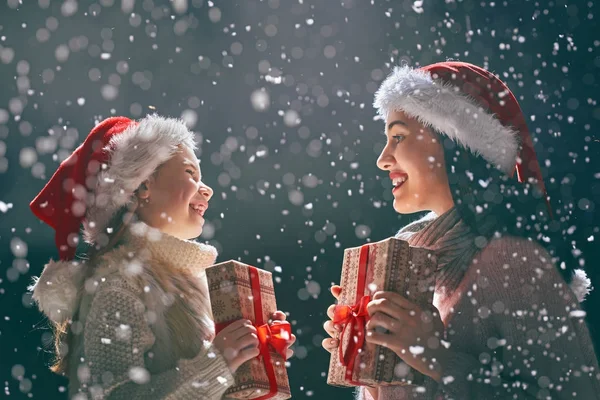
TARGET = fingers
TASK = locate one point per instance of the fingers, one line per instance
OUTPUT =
(235, 326)
(396, 299)
(292, 340)
(248, 340)
(236, 330)
(330, 344)
(381, 320)
(385, 306)
(330, 329)
(243, 356)
(289, 353)
(279, 316)
(378, 338)
(330, 311)
(336, 291)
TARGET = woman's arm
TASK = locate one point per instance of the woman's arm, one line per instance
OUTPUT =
(543, 348)
(117, 338)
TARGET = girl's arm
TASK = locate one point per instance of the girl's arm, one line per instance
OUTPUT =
(117, 337)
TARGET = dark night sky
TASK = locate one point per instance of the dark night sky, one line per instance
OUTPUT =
(280, 93)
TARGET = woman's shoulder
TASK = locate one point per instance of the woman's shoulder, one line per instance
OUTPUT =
(519, 263)
(515, 250)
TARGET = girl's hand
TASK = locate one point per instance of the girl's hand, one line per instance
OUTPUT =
(411, 332)
(238, 343)
(333, 331)
(278, 317)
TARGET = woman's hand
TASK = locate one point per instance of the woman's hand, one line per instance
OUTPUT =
(413, 333)
(238, 343)
(277, 318)
(333, 331)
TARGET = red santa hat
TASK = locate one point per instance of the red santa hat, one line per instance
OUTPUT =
(469, 105)
(102, 174)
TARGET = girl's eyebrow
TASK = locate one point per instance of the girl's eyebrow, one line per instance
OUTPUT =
(191, 164)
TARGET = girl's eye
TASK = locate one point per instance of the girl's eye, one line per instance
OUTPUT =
(190, 171)
(398, 138)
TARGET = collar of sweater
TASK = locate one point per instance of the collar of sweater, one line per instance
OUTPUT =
(453, 243)
(151, 243)
(56, 290)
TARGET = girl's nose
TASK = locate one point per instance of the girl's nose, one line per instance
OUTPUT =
(205, 191)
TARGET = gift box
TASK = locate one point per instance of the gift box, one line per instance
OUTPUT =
(389, 265)
(239, 291)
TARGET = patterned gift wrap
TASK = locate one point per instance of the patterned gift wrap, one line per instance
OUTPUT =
(236, 291)
(389, 265)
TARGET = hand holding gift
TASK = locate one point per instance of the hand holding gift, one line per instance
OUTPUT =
(409, 330)
(391, 265)
(239, 342)
(242, 292)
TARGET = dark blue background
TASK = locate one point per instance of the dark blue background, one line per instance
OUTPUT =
(553, 69)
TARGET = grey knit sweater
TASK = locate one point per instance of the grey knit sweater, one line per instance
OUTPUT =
(516, 329)
(143, 329)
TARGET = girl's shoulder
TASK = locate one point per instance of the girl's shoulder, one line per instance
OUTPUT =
(62, 284)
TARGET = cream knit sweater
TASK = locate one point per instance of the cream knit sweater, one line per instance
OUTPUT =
(134, 338)
(516, 331)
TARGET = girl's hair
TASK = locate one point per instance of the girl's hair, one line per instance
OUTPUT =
(493, 204)
(63, 334)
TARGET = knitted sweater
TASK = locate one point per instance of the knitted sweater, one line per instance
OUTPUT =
(516, 331)
(142, 321)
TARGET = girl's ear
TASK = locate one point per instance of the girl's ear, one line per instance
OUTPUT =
(143, 191)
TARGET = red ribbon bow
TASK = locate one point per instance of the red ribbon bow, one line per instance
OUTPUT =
(354, 319)
(277, 335)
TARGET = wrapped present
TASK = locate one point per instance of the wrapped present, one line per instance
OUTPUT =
(389, 265)
(239, 291)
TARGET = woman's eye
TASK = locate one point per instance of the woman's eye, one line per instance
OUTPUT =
(190, 171)
(398, 138)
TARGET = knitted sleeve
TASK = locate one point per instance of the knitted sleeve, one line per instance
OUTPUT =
(542, 347)
(117, 338)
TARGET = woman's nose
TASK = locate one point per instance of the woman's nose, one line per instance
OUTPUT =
(205, 191)
(386, 160)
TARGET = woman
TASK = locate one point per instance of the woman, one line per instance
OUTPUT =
(504, 323)
(133, 321)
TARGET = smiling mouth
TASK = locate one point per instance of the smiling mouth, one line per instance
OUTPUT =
(398, 182)
(198, 209)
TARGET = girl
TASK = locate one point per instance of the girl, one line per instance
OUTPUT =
(133, 320)
(504, 322)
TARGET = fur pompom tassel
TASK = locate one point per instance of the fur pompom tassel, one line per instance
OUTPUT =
(56, 290)
(580, 284)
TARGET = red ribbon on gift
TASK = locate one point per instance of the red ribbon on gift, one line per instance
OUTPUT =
(354, 318)
(277, 335)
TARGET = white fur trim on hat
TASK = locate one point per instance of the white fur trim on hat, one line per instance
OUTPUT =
(448, 110)
(56, 290)
(134, 156)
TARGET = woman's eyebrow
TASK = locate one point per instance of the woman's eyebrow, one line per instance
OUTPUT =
(396, 122)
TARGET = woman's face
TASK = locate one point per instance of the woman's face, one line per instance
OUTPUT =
(415, 161)
(174, 199)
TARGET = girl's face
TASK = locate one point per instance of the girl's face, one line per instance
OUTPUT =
(174, 199)
(415, 161)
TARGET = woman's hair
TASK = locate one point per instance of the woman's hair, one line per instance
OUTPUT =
(493, 204)
(63, 334)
